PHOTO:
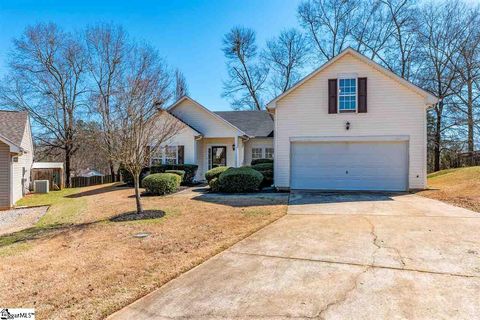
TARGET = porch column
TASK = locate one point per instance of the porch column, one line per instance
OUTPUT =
(237, 152)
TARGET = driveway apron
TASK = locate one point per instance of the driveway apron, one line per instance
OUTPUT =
(337, 256)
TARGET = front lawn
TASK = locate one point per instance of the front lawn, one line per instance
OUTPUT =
(76, 264)
(460, 187)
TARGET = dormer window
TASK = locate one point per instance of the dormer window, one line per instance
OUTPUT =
(347, 95)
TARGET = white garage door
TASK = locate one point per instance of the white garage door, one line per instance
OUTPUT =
(349, 165)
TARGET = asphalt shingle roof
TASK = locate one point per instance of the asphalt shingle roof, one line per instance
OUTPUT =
(12, 125)
(253, 123)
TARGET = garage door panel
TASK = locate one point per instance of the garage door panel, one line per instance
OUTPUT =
(349, 165)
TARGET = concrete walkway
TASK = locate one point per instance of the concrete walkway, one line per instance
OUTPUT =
(337, 256)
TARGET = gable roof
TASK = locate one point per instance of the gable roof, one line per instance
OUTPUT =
(179, 101)
(429, 98)
(253, 123)
(12, 127)
(168, 112)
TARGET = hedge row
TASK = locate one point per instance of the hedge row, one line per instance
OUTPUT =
(224, 179)
(189, 172)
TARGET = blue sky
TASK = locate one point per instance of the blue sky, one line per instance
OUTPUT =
(187, 33)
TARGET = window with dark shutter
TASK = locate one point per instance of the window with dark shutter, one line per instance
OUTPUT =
(362, 95)
(181, 154)
(332, 95)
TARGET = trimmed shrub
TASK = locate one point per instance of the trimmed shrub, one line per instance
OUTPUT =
(266, 169)
(214, 173)
(244, 179)
(128, 178)
(181, 173)
(190, 171)
(214, 185)
(258, 161)
(161, 183)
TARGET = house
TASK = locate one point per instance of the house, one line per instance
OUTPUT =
(210, 139)
(89, 173)
(349, 125)
(16, 156)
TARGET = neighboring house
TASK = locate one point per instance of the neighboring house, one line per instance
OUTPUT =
(89, 173)
(16, 156)
(351, 125)
(210, 139)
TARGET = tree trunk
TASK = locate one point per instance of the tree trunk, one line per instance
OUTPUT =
(136, 181)
(67, 167)
(112, 170)
(471, 146)
(437, 142)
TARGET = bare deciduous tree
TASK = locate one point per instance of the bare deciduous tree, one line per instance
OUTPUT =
(46, 78)
(440, 36)
(181, 87)
(468, 67)
(138, 111)
(286, 56)
(106, 49)
(329, 23)
(246, 75)
(372, 30)
(400, 54)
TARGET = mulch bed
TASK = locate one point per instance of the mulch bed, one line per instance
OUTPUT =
(132, 216)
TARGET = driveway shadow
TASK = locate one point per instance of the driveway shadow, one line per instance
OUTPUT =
(313, 197)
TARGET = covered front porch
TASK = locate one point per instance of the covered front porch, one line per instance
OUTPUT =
(221, 151)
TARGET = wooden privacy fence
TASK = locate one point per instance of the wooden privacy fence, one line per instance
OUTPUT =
(77, 182)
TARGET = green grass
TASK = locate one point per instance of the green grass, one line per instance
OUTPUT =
(442, 172)
(63, 210)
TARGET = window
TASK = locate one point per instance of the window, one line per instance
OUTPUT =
(257, 153)
(347, 95)
(269, 153)
(165, 155)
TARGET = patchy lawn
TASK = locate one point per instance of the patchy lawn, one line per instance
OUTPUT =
(460, 187)
(76, 264)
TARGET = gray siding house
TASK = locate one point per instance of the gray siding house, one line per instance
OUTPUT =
(16, 157)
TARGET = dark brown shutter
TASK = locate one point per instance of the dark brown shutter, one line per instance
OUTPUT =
(332, 95)
(362, 95)
(181, 154)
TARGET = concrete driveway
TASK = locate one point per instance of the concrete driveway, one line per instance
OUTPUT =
(337, 256)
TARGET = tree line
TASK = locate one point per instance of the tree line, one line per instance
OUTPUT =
(435, 45)
(90, 94)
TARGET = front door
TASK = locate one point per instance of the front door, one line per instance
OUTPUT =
(218, 157)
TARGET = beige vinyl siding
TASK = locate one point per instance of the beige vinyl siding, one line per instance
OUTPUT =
(4, 176)
(256, 143)
(393, 109)
(204, 121)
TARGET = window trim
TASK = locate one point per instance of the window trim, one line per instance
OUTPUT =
(163, 155)
(272, 153)
(347, 77)
(261, 152)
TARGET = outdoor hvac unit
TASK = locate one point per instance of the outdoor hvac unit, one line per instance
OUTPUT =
(41, 186)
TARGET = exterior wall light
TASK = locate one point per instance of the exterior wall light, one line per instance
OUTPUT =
(347, 125)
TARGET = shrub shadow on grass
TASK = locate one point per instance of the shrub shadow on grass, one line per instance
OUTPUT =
(134, 216)
(243, 200)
